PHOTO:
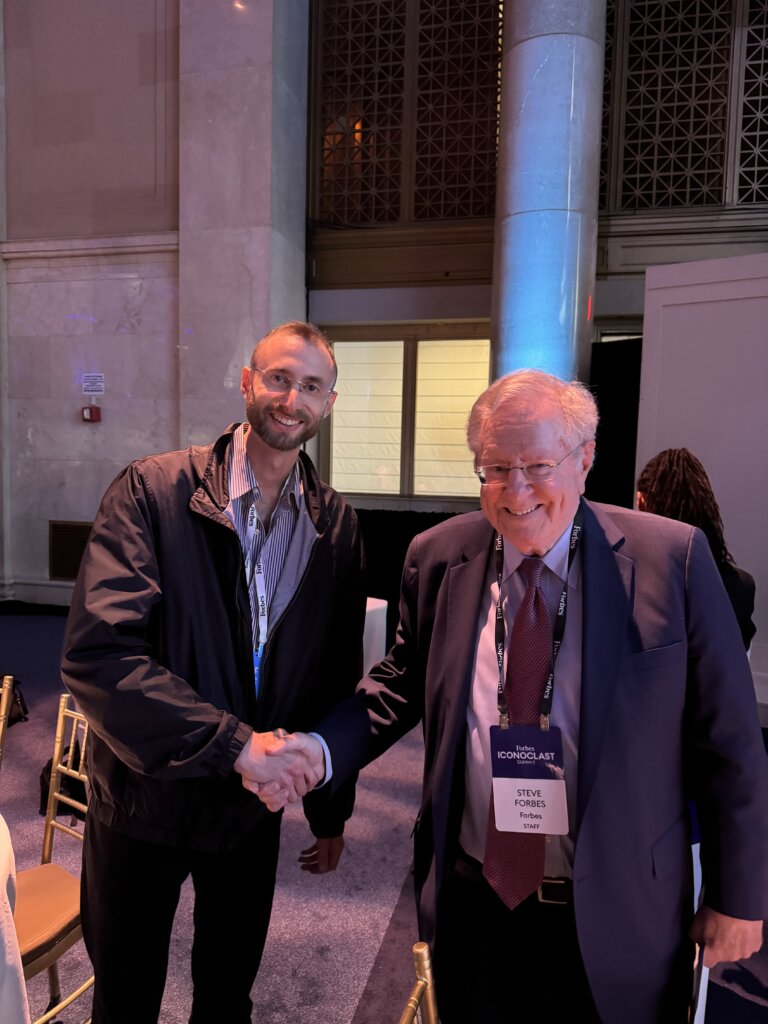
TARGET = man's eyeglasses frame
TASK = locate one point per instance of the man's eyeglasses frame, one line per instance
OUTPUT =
(533, 472)
(281, 383)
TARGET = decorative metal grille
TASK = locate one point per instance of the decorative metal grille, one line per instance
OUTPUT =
(457, 109)
(408, 115)
(608, 80)
(408, 110)
(676, 103)
(753, 154)
(361, 116)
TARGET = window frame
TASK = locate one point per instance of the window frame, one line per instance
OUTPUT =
(410, 333)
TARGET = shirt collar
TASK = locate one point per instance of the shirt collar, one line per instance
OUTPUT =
(241, 476)
(556, 559)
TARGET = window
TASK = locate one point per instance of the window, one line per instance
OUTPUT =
(398, 427)
(449, 377)
(367, 431)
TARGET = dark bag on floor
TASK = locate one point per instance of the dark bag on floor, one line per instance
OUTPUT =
(19, 712)
(73, 788)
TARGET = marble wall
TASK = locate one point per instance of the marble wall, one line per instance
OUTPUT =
(91, 117)
(72, 308)
(168, 317)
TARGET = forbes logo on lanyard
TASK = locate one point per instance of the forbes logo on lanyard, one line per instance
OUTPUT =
(528, 780)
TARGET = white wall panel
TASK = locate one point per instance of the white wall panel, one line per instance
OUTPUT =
(704, 385)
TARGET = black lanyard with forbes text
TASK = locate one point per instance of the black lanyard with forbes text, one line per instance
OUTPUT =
(545, 709)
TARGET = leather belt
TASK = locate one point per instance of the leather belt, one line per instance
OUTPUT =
(553, 892)
(556, 892)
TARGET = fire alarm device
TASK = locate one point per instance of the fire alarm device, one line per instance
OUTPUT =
(91, 414)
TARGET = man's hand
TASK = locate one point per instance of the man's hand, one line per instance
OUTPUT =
(324, 855)
(725, 938)
(281, 767)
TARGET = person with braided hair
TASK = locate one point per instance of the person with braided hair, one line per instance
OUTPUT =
(674, 484)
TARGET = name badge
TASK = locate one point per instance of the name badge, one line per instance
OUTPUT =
(258, 651)
(528, 780)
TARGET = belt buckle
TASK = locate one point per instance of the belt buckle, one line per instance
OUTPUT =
(547, 891)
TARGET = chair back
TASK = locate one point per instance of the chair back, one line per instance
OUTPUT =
(421, 1002)
(47, 913)
(6, 696)
(68, 763)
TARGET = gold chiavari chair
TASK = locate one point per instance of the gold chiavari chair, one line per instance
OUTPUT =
(6, 696)
(47, 912)
(421, 1002)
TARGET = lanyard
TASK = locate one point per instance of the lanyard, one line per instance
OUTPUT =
(254, 572)
(545, 708)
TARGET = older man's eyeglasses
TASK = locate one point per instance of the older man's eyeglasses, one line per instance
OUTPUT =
(281, 383)
(533, 472)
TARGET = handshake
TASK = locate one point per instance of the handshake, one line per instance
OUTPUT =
(281, 767)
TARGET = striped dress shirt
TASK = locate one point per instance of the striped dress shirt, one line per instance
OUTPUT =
(272, 544)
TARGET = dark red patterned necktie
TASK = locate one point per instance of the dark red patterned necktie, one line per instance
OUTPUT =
(514, 862)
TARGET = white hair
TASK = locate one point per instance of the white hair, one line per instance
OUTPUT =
(572, 398)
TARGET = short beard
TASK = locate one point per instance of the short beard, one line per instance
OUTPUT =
(261, 425)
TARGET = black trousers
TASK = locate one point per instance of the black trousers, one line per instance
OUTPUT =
(495, 966)
(129, 894)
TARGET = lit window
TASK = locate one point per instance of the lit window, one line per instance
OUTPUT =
(449, 377)
(365, 453)
(399, 426)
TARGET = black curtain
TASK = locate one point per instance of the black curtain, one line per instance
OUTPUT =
(615, 383)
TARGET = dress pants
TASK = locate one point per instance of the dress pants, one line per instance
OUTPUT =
(129, 894)
(493, 965)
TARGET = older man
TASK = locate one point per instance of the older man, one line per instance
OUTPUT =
(221, 593)
(580, 676)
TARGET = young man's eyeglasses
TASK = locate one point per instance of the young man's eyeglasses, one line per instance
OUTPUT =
(281, 383)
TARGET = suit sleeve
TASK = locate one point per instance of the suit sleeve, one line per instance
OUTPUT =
(329, 807)
(152, 720)
(389, 701)
(728, 764)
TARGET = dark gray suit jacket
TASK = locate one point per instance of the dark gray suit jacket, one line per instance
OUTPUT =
(667, 714)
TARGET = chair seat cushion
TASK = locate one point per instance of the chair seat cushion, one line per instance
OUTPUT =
(47, 908)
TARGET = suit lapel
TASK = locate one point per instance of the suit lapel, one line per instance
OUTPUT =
(465, 585)
(607, 593)
(455, 630)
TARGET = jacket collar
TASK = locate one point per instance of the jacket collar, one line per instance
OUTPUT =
(455, 620)
(607, 589)
(210, 468)
(456, 615)
(477, 537)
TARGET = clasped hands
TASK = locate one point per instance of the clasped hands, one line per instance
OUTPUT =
(281, 767)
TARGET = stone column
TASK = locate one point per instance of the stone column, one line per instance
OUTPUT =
(242, 194)
(546, 199)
